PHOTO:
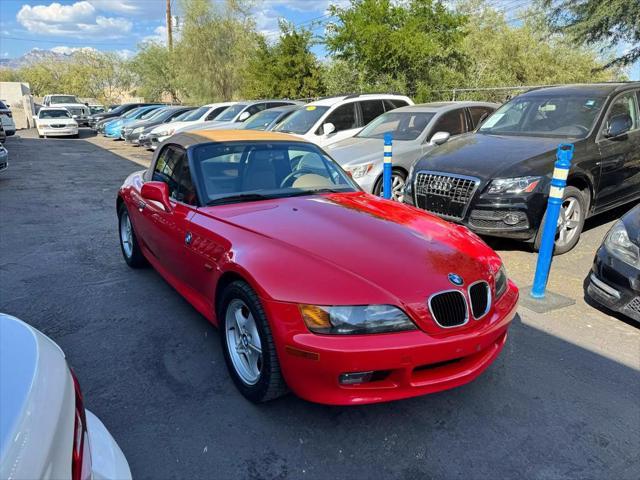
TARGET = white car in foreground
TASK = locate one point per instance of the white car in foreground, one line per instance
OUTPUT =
(45, 431)
(55, 122)
(332, 119)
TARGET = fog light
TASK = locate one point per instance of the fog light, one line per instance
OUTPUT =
(511, 219)
(355, 378)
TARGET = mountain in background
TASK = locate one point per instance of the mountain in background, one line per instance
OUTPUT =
(36, 55)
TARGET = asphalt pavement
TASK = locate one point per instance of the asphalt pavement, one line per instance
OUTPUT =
(561, 402)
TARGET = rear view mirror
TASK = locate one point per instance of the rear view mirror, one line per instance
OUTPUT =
(439, 138)
(328, 128)
(243, 116)
(618, 125)
(158, 192)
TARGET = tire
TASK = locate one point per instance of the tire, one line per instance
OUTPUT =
(571, 194)
(240, 299)
(132, 255)
(398, 181)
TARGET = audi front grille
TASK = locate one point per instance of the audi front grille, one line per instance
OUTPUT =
(445, 195)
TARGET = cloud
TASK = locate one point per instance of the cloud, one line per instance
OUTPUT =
(148, 8)
(159, 36)
(79, 19)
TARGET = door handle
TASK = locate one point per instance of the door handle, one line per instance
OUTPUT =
(187, 238)
(141, 205)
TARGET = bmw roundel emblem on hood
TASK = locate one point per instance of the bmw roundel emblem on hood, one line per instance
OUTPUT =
(456, 279)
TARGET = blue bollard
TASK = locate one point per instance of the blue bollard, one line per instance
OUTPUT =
(386, 172)
(564, 156)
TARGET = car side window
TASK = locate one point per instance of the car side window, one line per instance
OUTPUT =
(343, 118)
(626, 104)
(186, 191)
(166, 169)
(452, 122)
(215, 112)
(371, 109)
(479, 115)
(392, 104)
(253, 109)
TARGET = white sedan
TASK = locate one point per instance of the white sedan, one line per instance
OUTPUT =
(55, 122)
(45, 431)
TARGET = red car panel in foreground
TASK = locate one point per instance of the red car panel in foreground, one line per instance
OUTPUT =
(317, 287)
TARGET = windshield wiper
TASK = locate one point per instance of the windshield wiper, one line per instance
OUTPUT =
(241, 197)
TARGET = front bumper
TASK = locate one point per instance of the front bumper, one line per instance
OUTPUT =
(615, 284)
(516, 217)
(107, 460)
(133, 138)
(82, 120)
(59, 132)
(407, 364)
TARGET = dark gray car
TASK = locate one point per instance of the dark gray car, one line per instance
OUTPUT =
(133, 131)
(415, 129)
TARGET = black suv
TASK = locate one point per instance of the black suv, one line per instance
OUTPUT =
(496, 180)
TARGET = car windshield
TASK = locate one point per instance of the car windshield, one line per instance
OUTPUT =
(401, 125)
(194, 114)
(247, 171)
(301, 121)
(63, 99)
(147, 114)
(261, 120)
(131, 113)
(185, 116)
(156, 113)
(231, 112)
(545, 116)
(3, 106)
(54, 114)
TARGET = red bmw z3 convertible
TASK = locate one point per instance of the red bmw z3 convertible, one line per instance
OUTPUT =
(316, 286)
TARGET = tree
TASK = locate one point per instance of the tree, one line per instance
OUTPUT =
(599, 22)
(287, 69)
(500, 54)
(416, 43)
(217, 42)
(154, 67)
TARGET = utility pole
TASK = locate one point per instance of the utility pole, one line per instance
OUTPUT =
(169, 26)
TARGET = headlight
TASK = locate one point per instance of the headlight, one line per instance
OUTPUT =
(137, 130)
(359, 171)
(359, 319)
(501, 281)
(620, 246)
(513, 185)
(166, 133)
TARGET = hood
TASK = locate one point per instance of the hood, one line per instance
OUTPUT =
(356, 249)
(355, 150)
(492, 156)
(171, 125)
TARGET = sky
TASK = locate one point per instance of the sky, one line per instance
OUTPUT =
(120, 25)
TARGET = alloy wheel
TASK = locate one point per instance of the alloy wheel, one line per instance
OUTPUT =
(397, 188)
(243, 342)
(126, 234)
(568, 221)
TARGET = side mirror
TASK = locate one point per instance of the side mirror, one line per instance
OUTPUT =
(618, 125)
(158, 192)
(328, 128)
(439, 138)
(243, 116)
